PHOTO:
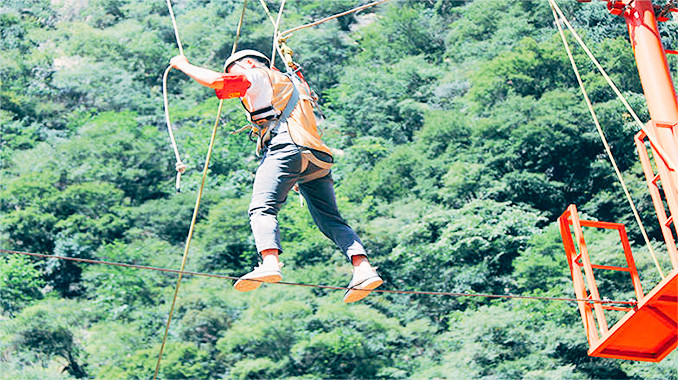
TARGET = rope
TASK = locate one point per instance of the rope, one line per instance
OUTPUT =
(287, 33)
(655, 144)
(276, 40)
(604, 139)
(174, 25)
(190, 236)
(179, 165)
(276, 27)
(197, 204)
(319, 286)
(277, 37)
(267, 11)
(238, 29)
(605, 142)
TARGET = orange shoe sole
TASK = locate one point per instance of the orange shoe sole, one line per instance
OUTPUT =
(247, 285)
(362, 290)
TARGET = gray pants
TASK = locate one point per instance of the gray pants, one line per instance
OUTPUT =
(278, 171)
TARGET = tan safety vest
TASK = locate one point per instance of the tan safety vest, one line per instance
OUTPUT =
(301, 123)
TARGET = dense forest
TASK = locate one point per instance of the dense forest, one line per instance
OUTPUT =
(460, 136)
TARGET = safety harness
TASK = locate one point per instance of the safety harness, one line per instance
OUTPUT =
(265, 125)
(265, 122)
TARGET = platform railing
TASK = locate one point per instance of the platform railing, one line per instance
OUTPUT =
(579, 259)
(663, 185)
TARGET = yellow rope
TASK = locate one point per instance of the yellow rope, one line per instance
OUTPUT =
(180, 167)
(174, 24)
(286, 33)
(238, 29)
(655, 144)
(268, 12)
(604, 139)
(276, 39)
(197, 206)
(276, 27)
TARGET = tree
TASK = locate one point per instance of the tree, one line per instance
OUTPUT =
(471, 249)
(46, 332)
(180, 361)
(20, 284)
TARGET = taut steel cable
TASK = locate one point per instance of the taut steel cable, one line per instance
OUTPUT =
(320, 286)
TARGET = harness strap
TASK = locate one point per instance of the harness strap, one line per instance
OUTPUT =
(294, 99)
(307, 157)
(265, 133)
(314, 175)
(261, 110)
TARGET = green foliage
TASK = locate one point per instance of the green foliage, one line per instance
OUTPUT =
(260, 368)
(46, 331)
(392, 105)
(452, 257)
(167, 218)
(226, 237)
(20, 284)
(504, 342)
(14, 135)
(121, 292)
(543, 265)
(321, 53)
(114, 148)
(395, 176)
(30, 229)
(663, 370)
(530, 69)
(181, 361)
(320, 339)
(308, 245)
(405, 30)
(481, 31)
(445, 132)
(109, 345)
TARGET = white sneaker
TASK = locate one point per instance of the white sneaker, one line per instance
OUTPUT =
(361, 285)
(259, 275)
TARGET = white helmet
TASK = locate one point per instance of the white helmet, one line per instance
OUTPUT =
(244, 54)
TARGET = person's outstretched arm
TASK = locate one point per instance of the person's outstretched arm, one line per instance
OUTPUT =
(205, 77)
(226, 85)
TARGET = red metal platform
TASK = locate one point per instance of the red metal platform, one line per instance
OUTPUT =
(648, 331)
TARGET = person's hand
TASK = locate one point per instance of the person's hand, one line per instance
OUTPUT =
(178, 61)
(180, 166)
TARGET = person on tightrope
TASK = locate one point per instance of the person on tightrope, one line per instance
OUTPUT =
(280, 109)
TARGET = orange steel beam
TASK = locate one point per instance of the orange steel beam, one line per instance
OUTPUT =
(653, 69)
(577, 278)
(588, 272)
(659, 90)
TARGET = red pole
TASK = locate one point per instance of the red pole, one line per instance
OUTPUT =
(659, 91)
(654, 72)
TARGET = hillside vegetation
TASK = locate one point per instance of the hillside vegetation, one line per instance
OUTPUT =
(460, 136)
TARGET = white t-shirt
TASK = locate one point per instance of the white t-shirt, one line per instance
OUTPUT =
(260, 93)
